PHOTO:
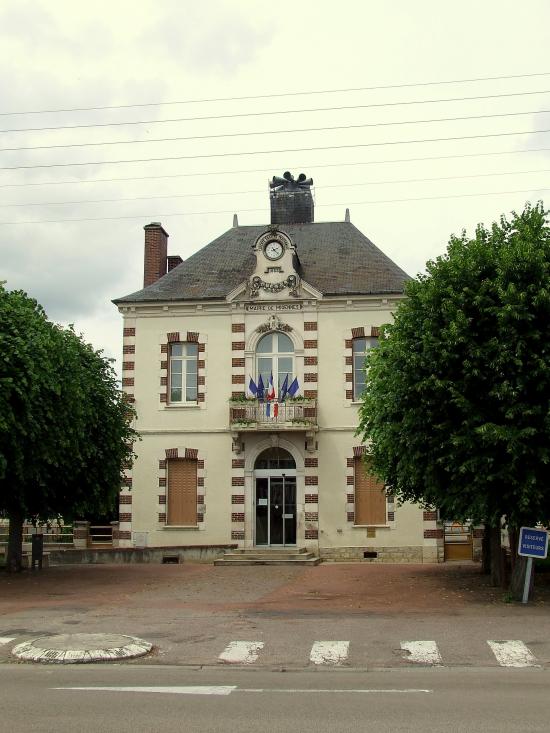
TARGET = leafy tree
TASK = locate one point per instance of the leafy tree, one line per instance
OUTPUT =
(65, 428)
(456, 409)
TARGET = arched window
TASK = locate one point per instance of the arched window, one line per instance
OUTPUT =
(275, 355)
(275, 458)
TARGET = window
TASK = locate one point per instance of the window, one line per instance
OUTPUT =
(181, 499)
(370, 496)
(275, 355)
(360, 348)
(183, 372)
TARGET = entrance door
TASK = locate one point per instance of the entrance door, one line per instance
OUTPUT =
(276, 510)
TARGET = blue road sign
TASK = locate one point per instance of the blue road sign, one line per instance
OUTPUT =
(533, 542)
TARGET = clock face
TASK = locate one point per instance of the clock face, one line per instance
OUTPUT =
(273, 250)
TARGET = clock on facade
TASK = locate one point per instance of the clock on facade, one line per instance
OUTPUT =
(273, 250)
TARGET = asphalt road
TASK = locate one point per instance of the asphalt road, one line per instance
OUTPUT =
(40, 698)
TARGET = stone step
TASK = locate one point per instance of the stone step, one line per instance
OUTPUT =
(268, 556)
(269, 550)
(302, 560)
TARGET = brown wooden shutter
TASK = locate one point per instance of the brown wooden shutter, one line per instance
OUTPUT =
(370, 496)
(182, 491)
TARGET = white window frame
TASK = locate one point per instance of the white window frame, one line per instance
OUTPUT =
(274, 356)
(183, 358)
(371, 342)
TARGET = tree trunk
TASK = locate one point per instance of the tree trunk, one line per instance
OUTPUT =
(496, 556)
(519, 566)
(486, 551)
(15, 543)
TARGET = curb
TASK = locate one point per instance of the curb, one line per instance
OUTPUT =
(89, 649)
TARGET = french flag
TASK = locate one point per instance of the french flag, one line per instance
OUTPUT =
(271, 398)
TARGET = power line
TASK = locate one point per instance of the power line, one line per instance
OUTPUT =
(230, 211)
(275, 132)
(276, 95)
(283, 150)
(263, 170)
(270, 112)
(262, 190)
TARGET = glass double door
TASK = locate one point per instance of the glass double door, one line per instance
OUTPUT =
(275, 510)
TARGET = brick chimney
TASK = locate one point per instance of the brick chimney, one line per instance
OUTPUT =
(291, 200)
(156, 250)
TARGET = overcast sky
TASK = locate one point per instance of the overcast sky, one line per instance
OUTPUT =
(393, 64)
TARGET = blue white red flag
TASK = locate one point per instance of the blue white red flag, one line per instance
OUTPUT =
(271, 388)
(284, 389)
(294, 387)
(260, 389)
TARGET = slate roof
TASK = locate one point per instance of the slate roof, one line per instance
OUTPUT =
(335, 257)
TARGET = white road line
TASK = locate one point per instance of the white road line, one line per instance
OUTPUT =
(513, 653)
(241, 652)
(6, 639)
(422, 652)
(329, 652)
(197, 690)
(228, 689)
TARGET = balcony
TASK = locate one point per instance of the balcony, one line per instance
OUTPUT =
(252, 415)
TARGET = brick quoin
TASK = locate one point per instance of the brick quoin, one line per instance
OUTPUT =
(237, 499)
(130, 331)
(310, 361)
(311, 534)
(124, 517)
(312, 516)
(310, 325)
(350, 480)
(191, 453)
(162, 498)
(237, 379)
(200, 364)
(237, 362)
(125, 534)
(349, 376)
(351, 516)
(162, 465)
(310, 377)
(358, 332)
(375, 331)
(391, 516)
(200, 518)
(237, 516)
(200, 397)
(350, 498)
(350, 463)
(164, 381)
(349, 343)
(311, 480)
(173, 337)
(162, 517)
(200, 481)
(129, 349)
(237, 345)
(311, 498)
(127, 381)
(237, 481)
(164, 348)
(164, 364)
(237, 328)
(162, 481)
(163, 397)
(200, 498)
(237, 463)
(201, 347)
(192, 336)
(200, 463)
(237, 534)
(429, 516)
(349, 360)
(125, 499)
(128, 366)
(310, 394)
(311, 462)
(349, 394)
(310, 344)
(200, 380)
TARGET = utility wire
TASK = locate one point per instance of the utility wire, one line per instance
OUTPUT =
(269, 113)
(230, 211)
(283, 150)
(262, 190)
(275, 132)
(277, 95)
(263, 170)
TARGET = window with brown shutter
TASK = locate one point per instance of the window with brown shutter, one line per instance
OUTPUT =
(370, 496)
(182, 491)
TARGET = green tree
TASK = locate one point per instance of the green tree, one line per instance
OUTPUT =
(456, 409)
(65, 428)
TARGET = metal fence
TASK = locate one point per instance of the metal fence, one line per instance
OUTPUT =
(269, 413)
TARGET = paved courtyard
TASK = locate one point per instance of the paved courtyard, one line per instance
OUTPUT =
(358, 615)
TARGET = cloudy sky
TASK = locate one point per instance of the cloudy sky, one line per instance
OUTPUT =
(424, 118)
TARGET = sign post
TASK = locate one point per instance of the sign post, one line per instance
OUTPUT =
(532, 543)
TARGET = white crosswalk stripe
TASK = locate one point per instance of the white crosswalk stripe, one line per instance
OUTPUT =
(422, 652)
(513, 653)
(6, 639)
(329, 652)
(241, 652)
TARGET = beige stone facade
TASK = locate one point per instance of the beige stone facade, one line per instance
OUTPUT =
(224, 434)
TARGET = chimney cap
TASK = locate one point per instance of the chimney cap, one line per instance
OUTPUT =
(156, 225)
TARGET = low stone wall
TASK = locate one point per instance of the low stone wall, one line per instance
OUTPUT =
(122, 555)
(376, 554)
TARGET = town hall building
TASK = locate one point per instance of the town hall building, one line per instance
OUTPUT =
(245, 365)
